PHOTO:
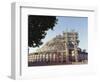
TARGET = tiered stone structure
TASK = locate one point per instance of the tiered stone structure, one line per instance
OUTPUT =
(58, 50)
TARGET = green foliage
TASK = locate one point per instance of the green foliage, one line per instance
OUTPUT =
(37, 27)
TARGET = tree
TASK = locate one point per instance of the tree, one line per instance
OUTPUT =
(38, 27)
(84, 50)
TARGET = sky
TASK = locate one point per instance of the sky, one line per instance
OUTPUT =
(67, 24)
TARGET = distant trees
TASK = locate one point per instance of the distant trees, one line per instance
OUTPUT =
(84, 50)
(38, 27)
(83, 55)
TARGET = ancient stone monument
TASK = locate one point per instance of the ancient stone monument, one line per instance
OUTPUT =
(58, 50)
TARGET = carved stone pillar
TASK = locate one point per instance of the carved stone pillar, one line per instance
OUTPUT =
(61, 57)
